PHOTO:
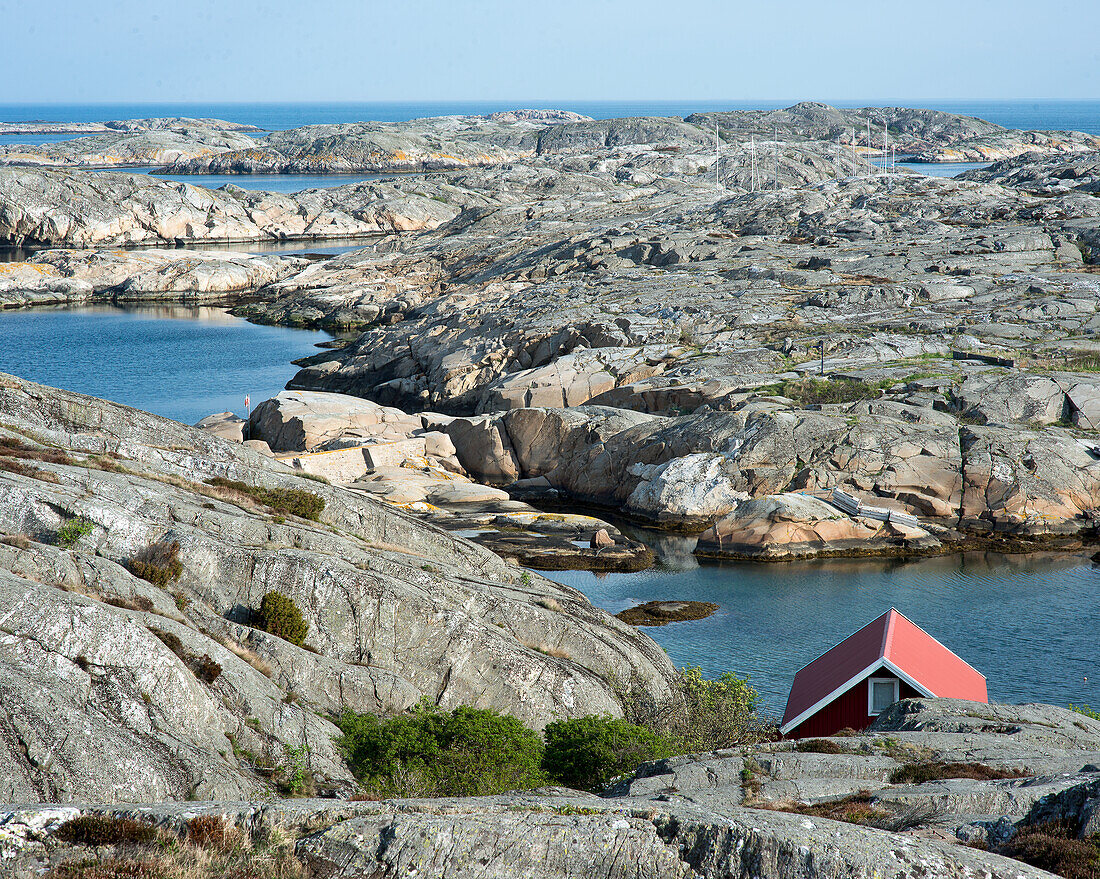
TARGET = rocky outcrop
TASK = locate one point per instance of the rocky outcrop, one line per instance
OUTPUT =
(1001, 767)
(917, 134)
(175, 684)
(1040, 172)
(53, 277)
(418, 145)
(160, 144)
(171, 123)
(74, 209)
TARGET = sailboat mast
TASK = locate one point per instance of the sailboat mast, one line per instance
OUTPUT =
(752, 154)
(776, 140)
(717, 158)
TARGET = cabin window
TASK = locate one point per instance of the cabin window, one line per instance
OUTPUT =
(883, 693)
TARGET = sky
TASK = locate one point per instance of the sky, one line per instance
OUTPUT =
(344, 50)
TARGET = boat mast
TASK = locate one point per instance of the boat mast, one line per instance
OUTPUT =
(752, 154)
(717, 168)
(776, 136)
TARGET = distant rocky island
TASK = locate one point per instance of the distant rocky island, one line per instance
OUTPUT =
(757, 339)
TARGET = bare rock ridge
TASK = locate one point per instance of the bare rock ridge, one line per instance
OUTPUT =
(173, 690)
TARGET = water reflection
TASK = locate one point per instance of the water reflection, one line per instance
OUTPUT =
(182, 362)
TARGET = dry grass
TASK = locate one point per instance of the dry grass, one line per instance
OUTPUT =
(212, 849)
(10, 447)
(550, 604)
(1055, 846)
(19, 541)
(920, 773)
(19, 468)
(247, 655)
(856, 809)
(547, 650)
(819, 746)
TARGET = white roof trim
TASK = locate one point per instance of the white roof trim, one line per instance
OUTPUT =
(851, 682)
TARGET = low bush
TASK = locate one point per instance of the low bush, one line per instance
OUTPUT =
(810, 391)
(212, 849)
(158, 563)
(290, 501)
(70, 532)
(136, 602)
(819, 746)
(280, 616)
(203, 667)
(587, 753)
(10, 447)
(431, 752)
(106, 830)
(707, 715)
(212, 832)
(1085, 710)
(919, 773)
(1055, 847)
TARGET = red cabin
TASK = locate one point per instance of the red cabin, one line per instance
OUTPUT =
(889, 659)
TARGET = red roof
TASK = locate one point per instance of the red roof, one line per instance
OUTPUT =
(891, 642)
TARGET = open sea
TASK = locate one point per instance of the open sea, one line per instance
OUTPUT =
(1030, 114)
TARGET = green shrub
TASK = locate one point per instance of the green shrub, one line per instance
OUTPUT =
(280, 616)
(158, 564)
(587, 753)
(69, 534)
(1085, 710)
(291, 501)
(430, 752)
(106, 830)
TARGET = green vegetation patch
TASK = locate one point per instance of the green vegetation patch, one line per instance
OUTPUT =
(290, 501)
(473, 752)
(70, 532)
(280, 616)
(589, 752)
(431, 752)
(814, 391)
(158, 564)
(705, 715)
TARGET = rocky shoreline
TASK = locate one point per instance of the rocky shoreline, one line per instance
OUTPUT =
(585, 318)
(811, 360)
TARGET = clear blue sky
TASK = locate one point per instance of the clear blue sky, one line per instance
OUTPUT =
(344, 50)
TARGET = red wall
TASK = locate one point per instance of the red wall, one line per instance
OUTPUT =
(847, 710)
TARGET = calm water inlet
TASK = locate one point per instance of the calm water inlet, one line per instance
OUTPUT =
(1028, 623)
(176, 361)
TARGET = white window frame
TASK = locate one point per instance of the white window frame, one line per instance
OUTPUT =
(871, 693)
